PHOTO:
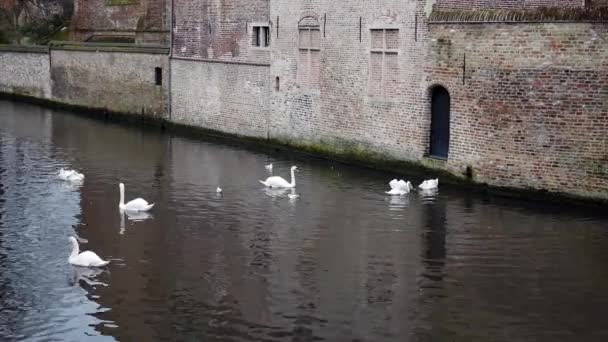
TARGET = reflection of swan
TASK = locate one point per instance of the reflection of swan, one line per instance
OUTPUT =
(398, 202)
(132, 216)
(268, 167)
(72, 185)
(428, 193)
(138, 204)
(70, 175)
(399, 187)
(429, 184)
(280, 182)
(275, 192)
(293, 195)
(87, 275)
(86, 258)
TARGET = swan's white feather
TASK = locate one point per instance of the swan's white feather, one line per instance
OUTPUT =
(276, 182)
(429, 184)
(138, 204)
(88, 259)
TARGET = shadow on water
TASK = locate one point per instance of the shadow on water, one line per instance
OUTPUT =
(342, 262)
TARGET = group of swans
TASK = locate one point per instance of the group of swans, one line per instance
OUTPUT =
(401, 187)
(398, 187)
(139, 205)
(133, 207)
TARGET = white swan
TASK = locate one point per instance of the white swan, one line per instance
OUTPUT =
(280, 182)
(70, 175)
(429, 184)
(399, 187)
(86, 258)
(138, 204)
(218, 190)
(268, 167)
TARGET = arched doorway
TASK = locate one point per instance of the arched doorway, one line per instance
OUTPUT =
(440, 123)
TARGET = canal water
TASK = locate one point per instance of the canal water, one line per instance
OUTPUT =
(343, 262)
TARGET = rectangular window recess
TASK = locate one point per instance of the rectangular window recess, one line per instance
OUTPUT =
(260, 36)
(158, 76)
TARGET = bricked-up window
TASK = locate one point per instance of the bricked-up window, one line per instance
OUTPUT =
(384, 62)
(309, 52)
(261, 36)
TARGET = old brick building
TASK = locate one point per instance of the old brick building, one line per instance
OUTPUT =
(511, 93)
(130, 21)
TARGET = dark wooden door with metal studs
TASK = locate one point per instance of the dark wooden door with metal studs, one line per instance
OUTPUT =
(440, 123)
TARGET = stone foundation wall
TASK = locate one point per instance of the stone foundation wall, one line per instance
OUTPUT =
(117, 81)
(228, 97)
(25, 71)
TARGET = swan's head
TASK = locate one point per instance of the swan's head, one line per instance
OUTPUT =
(294, 168)
(73, 240)
(121, 186)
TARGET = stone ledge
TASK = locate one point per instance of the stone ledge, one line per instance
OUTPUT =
(109, 47)
(24, 48)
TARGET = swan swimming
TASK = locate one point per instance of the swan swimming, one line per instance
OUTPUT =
(70, 175)
(86, 258)
(268, 167)
(429, 184)
(218, 190)
(138, 204)
(280, 182)
(399, 187)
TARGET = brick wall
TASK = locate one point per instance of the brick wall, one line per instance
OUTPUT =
(143, 20)
(362, 99)
(232, 98)
(25, 72)
(221, 80)
(532, 111)
(506, 4)
(117, 81)
(219, 29)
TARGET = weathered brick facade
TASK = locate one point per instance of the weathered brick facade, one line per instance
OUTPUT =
(508, 4)
(527, 92)
(530, 109)
(140, 21)
(358, 76)
(222, 81)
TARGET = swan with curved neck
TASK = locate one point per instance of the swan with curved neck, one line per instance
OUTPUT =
(399, 187)
(138, 204)
(280, 182)
(429, 184)
(86, 258)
